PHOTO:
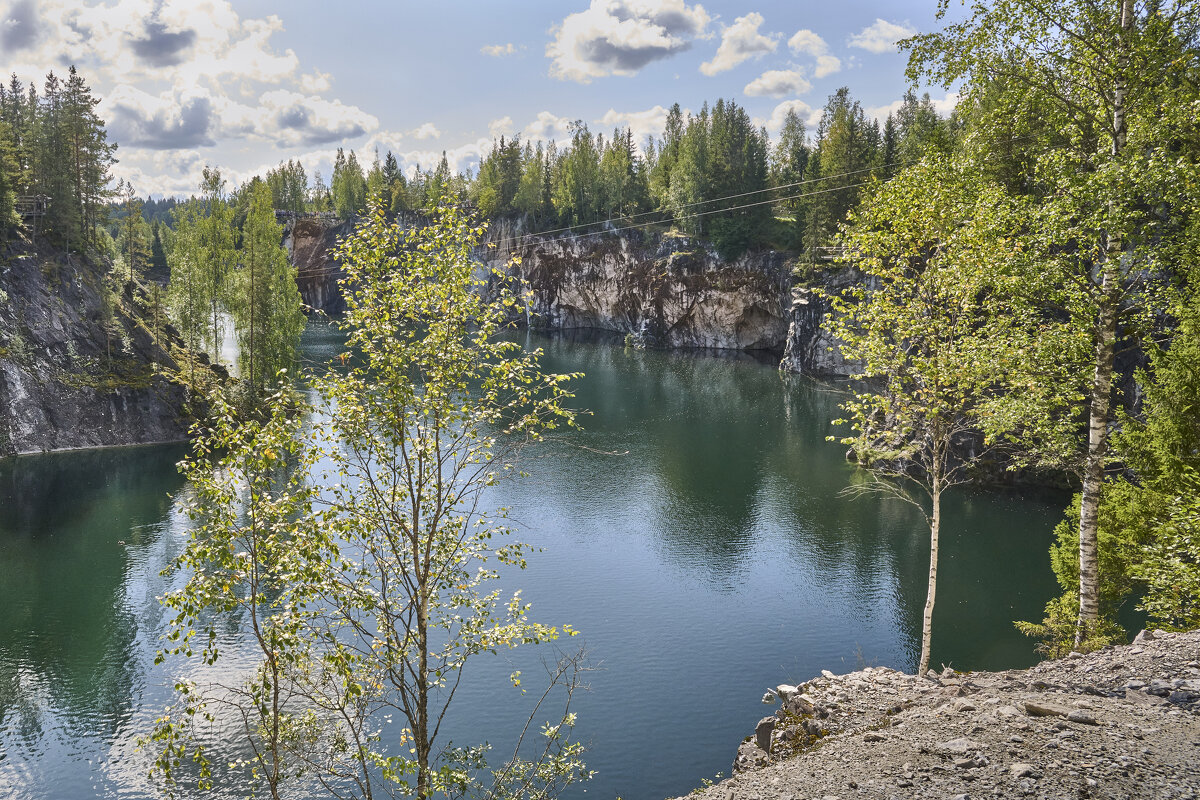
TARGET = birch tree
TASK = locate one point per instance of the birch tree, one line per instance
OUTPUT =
(921, 240)
(1097, 69)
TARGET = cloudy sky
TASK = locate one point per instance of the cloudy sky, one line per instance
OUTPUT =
(245, 84)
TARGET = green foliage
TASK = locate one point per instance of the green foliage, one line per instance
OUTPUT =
(350, 537)
(288, 185)
(134, 238)
(58, 148)
(913, 325)
(1120, 546)
(1159, 509)
(347, 187)
(1104, 82)
(1060, 627)
(846, 150)
(264, 298)
(251, 556)
(1170, 564)
(8, 182)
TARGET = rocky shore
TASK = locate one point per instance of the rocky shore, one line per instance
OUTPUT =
(1123, 722)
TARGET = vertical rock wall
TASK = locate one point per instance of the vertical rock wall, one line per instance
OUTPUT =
(665, 290)
(811, 350)
(669, 291)
(76, 370)
(309, 242)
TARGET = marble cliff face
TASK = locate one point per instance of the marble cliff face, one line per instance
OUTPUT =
(664, 290)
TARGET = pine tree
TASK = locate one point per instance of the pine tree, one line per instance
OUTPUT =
(90, 154)
(133, 242)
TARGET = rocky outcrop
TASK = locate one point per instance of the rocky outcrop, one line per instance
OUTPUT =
(1120, 723)
(309, 241)
(665, 290)
(810, 349)
(80, 367)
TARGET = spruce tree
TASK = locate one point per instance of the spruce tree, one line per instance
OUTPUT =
(265, 301)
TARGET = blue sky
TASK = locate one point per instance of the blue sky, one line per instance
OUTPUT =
(246, 84)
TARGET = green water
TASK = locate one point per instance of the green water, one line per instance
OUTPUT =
(694, 532)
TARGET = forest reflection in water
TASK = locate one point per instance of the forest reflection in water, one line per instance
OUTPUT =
(694, 531)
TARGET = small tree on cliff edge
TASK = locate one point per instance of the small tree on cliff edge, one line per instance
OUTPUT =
(372, 549)
(912, 326)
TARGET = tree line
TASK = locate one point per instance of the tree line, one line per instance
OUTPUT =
(54, 145)
(790, 193)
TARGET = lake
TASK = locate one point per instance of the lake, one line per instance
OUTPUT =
(694, 532)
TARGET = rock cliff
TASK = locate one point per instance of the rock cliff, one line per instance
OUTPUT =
(79, 366)
(668, 290)
(665, 290)
(811, 350)
(308, 241)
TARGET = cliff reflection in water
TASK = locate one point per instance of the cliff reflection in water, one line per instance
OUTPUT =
(693, 531)
(72, 523)
(730, 463)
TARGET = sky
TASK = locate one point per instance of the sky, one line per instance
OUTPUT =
(246, 84)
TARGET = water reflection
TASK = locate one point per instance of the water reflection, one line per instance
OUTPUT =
(73, 525)
(693, 531)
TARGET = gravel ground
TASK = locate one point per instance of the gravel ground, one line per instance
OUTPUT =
(1123, 722)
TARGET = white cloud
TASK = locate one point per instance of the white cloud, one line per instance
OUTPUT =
(500, 127)
(811, 116)
(650, 122)
(620, 37)
(140, 119)
(739, 42)
(881, 36)
(425, 131)
(778, 82)
(184, 42)
(316, 82)
(294, 118)
(548, 126)
(500, 50)
(808, 43)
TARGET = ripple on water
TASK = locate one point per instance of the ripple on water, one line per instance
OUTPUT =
(693, 532)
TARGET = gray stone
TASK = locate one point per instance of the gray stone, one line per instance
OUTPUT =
(1045, 710)
(762, 733)
(1020, 769)
(1082, 717)
(1144, 636)
(957, 746)
(1143, 699)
